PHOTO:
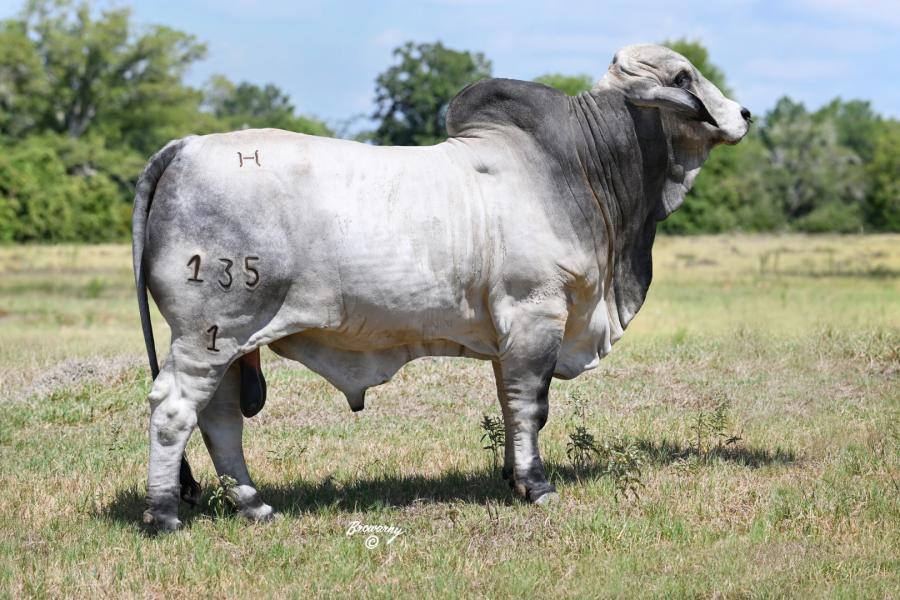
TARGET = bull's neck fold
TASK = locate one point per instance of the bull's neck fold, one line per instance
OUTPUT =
(621, 154)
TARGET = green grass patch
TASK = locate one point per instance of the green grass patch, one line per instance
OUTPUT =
(788, 346)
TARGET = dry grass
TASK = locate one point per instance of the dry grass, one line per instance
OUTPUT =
(805, 505)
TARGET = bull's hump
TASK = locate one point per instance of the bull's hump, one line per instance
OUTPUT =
(493, 103)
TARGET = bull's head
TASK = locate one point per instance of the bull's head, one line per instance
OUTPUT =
(695, 114)
(657, 77)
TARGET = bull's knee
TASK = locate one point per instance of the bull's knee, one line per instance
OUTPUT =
(172, 422)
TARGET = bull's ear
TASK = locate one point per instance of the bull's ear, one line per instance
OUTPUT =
(675, 99)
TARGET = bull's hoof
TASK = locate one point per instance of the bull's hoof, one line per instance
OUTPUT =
(519, 488)
(263, 513)
(541, 493)
(546, 499)
(249, 504)
(538, 493)
(158, 523)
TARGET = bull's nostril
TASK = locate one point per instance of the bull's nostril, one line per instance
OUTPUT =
(746, 114)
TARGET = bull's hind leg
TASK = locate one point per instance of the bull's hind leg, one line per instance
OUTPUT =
(183, 388)
(253, 398)
(222, 424)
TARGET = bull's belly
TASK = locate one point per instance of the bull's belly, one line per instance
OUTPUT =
(379, 328)
(380, 325)
(353, 364)
(367, 350)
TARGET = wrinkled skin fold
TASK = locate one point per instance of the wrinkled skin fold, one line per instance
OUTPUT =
(524, 239)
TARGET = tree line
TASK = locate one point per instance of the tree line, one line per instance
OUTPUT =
(86, 97)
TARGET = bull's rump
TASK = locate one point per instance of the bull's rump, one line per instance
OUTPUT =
(385, 245)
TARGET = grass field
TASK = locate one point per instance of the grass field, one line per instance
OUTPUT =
(795, 339)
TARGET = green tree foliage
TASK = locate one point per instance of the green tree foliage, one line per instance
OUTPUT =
(729, 194)
(412, 96)
(882, 208)
(98, 75)
(42, 199)
(245, 105)
(855, 124)
(820, 183)
(85, 98)
(23, 88)
(570, 84)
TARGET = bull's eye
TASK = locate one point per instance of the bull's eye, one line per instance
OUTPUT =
(682, 80)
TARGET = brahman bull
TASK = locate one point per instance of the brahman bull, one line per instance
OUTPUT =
(524, 239)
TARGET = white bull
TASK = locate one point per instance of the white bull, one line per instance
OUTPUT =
(524, 239)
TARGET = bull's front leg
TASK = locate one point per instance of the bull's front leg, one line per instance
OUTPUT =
(523, 371)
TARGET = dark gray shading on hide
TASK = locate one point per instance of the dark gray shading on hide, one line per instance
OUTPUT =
(253, 387)
(609, 154)
(190, 489)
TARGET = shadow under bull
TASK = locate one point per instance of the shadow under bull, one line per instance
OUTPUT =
(471, 486)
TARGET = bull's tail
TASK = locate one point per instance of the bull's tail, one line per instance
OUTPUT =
(146, 186)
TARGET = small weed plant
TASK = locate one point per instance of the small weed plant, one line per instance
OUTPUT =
(623, 464)
(221, 501)
(619, 459)
(493, 438)
(712, 430)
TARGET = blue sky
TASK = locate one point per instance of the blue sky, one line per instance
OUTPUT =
(326, 55)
